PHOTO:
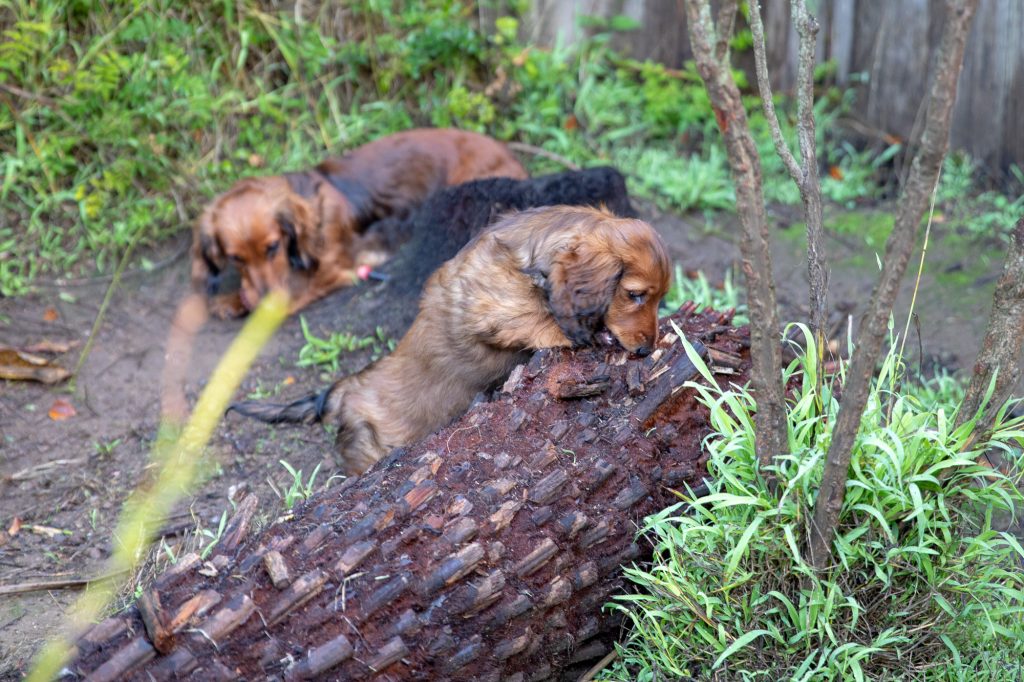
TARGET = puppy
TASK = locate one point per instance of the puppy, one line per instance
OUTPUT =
(304, 232)
(432, 233)
(543, 278)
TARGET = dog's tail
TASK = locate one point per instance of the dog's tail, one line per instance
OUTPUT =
(307, 410)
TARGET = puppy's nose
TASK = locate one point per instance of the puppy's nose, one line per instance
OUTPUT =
(644, 351)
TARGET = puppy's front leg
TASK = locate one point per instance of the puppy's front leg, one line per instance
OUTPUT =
(325, 283)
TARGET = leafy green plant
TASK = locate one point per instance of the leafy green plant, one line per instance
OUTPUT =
(299, 489)
(119, 120)
(700, 291)
(319, 352)
(923, 586)
(212, 537)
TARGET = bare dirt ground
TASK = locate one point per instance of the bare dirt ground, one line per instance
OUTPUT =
(65, 481)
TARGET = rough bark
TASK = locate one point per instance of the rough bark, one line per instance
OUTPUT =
(484, 552)
(745, 164)
(806, 175)
(1000, 351)
(921, 181)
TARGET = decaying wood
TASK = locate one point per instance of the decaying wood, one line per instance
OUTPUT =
(485, 552)
(924, 174)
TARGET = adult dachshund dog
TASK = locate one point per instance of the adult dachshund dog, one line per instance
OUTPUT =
(543, 278)
(305, 232)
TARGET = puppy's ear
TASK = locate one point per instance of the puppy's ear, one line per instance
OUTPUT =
(580, 286)
(208, 259)
(295, 218)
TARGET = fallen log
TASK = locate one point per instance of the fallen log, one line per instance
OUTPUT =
(484, 552)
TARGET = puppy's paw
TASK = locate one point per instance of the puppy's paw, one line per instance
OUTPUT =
(228, 307)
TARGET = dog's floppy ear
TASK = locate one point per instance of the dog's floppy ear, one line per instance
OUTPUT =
(295, 218)
(580, 285)
(208, 259)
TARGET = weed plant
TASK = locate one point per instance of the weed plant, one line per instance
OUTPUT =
(119, 120)
(699, 290)
(923, 585)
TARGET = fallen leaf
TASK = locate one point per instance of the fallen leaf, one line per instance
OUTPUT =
(14, 527)
(836, 172)
(892, 139)
(61, 410)
(288, 381)
(17, 365)
(50, 315)
(256, 161)
(48, 531)
(48, 346)
(571, 123)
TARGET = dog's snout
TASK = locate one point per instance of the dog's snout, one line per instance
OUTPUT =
(644, 350)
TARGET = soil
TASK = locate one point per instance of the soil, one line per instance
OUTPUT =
(73, 475)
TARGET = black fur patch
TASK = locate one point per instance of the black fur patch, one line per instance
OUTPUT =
(306, 410)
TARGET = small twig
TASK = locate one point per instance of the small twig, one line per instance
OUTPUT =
(538, 151)
(56, 584)
(25, 94)
(103, 306)
(599, 666)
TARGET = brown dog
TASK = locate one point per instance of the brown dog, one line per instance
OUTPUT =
(304, 232)
(542, 278)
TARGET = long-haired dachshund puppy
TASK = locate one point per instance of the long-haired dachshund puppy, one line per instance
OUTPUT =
(422, 241)
(304, 232)
(542, 278)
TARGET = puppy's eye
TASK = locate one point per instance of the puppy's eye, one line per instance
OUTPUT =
(272, 248)
(638, 297)
(235, 259)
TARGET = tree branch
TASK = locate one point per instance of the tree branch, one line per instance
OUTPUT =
(725, 26)
(1001, 349)
(764, 88)
(745, 164)
(806, 178)
(923, 175)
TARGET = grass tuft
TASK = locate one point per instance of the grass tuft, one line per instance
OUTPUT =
(925, 586)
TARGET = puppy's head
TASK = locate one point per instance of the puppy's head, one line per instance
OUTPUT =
(257, 226)
(632, 315)
(612, 275)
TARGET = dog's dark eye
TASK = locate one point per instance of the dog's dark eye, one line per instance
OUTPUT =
(272, 248)
(638, 297)
(234, 259)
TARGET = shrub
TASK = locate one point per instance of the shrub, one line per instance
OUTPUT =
(923, 585)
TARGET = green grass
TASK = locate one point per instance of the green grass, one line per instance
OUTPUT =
(119, 120)
(326, 352)
(699, 290)
(924, 586)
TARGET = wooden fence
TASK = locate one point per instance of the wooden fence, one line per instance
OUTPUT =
(883, 48)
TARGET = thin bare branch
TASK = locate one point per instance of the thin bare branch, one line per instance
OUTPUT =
(745, 164)
(764, 87)
(806, 177)
(923, 175)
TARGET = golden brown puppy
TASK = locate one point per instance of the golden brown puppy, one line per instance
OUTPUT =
(304, 232)
(543, 278)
